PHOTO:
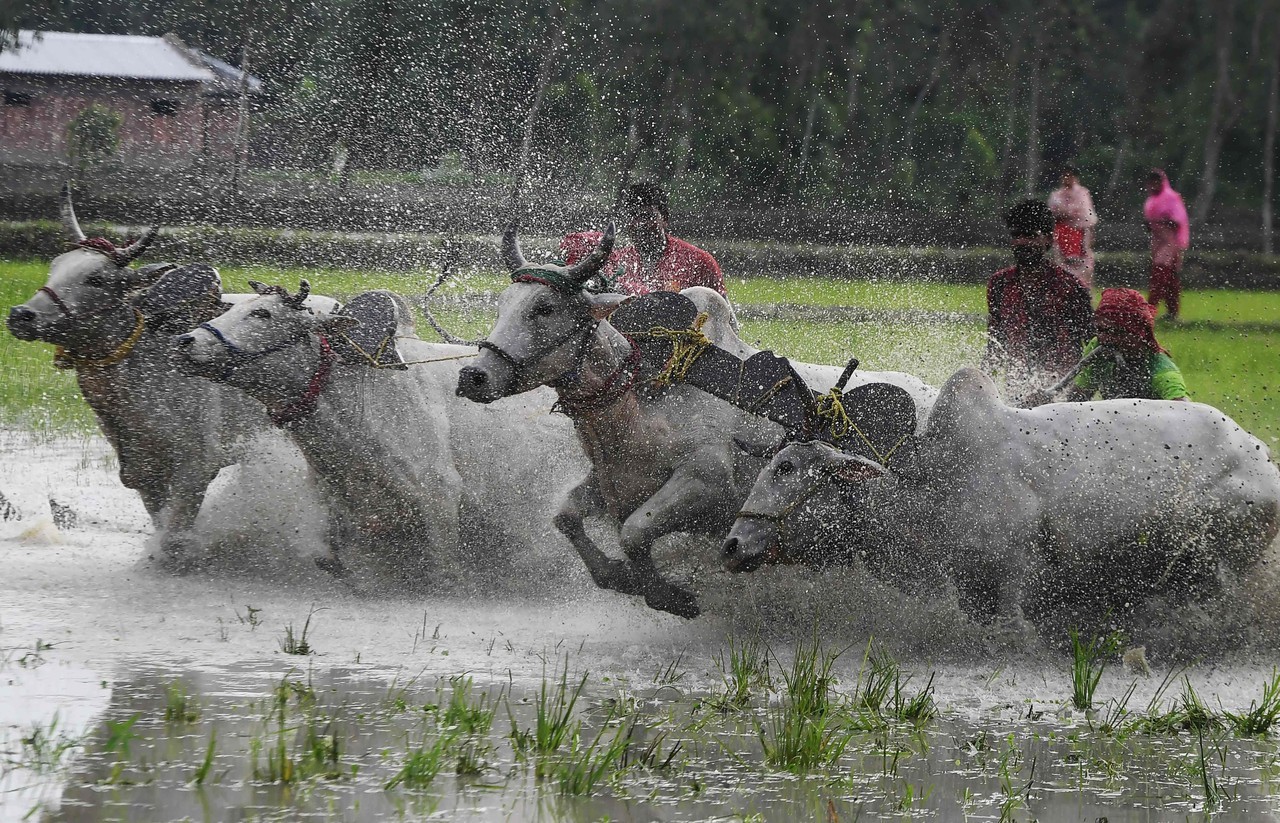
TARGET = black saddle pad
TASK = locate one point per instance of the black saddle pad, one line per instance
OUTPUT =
(881, 420)
(373, 342)
(177, 287)
(665, 309)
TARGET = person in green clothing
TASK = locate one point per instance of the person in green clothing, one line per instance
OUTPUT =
(1124, 359)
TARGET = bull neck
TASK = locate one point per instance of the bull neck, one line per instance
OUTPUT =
(606, 363)
(119, 330)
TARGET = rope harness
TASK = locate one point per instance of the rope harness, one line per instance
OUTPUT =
(829, 410)
(240, 357)
(779, 518)
(620, 381)
(63, 359)
(687, 345)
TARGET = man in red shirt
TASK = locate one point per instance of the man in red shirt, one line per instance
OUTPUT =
(1039, 315)
(654, 260)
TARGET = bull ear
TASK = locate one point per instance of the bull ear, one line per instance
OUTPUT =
(260, 288)
(603, 305)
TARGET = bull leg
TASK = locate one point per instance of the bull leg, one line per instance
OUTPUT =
(678, 506)
(585, 500)
(177, 520)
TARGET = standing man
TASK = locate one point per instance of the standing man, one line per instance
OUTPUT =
(1038, 313)
(1074, 219)
(654, 259)
(1166, 217)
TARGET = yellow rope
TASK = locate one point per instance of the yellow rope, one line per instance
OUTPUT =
(64, 359)
(374, 359)
(687, 345)
(829, 408)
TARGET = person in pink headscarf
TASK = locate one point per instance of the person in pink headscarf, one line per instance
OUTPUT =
(1074, 219)
(1170, 231)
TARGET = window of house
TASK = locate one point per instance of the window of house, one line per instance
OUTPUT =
(164, 108)
(17, 98)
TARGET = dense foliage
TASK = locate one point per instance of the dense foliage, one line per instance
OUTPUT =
(948, 105)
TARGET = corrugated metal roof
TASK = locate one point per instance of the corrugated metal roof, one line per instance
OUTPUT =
(103, 55)
(228, 74)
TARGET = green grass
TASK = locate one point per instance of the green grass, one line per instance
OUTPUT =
(1228, 361)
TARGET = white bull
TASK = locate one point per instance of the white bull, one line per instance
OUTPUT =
(171, 433)
(1131, 496)
(659, 464)
(418, 473)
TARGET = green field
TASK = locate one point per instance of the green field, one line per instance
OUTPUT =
(1228, 345)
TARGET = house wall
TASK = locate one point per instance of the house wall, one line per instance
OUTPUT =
(36, 134)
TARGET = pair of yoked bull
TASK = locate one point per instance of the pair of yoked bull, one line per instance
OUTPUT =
(1159, 495)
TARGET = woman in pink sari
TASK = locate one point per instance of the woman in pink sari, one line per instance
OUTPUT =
(1166, 217)
(1074, 219)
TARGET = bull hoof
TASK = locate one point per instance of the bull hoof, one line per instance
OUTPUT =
(333, 565)
(615, 575)
(179, 555)
(674, 601)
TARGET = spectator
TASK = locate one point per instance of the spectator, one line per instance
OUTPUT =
(1038, 313)
(654, 259)
(1166, 217)
(1130, 361)
(1074, 219)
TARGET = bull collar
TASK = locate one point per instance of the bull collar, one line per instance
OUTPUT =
(64, 359)
(305, 405)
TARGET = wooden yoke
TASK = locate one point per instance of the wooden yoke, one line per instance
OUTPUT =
(875, 420)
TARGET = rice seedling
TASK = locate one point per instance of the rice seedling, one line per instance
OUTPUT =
(581, 768)
(297, 644)
(805, 731)
(877, 676)
(651, 757)
(316, 752)
(1261, 715)
(744, 672)
(1116, 711)
(554, 724)
(1214, 791)
(913, 796)
(1195, 714)
(671, 674)
(179, 706)
(1088, 661)
(423, 764)
(250, 618)
(206, 764)
(44, 747)
(468, 713)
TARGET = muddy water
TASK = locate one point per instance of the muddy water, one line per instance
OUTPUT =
(93, 638)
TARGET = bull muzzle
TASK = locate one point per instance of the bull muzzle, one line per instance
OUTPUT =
(748, 548)
(22, 323)
(474, 383)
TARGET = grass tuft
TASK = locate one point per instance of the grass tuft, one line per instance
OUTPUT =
(1262, 715)
(1088, 661)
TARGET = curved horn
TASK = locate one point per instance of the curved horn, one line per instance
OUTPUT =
(69, 220)
(512, 257)
(585, 268)
(132, 251)
(304, 290)
(261, 288)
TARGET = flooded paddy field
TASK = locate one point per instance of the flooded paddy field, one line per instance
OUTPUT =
(262, 689)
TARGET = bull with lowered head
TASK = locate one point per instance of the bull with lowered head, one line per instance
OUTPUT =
(425, 483)
(660, 463)
(1096, 504)
(112, 324)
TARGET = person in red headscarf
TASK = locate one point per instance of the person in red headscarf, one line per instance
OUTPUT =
(1124, 359)
(655, 259)
(1166, 217)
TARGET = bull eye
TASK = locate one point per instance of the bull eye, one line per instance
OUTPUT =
(785, 467)
(543, 310)
(260, 313)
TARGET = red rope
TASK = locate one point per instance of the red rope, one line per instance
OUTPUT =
(306, 404)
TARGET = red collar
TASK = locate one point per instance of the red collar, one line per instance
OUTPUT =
(306, 404)
(620, 381)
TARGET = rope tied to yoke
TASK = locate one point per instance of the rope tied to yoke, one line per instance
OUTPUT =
(829, 410)
(687, 345)
(375, 360)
